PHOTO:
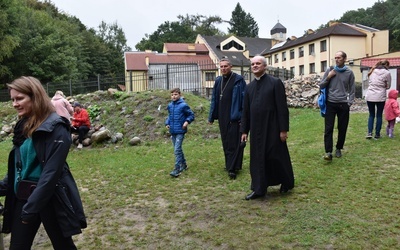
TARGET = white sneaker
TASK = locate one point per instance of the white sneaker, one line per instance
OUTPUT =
(80, 146)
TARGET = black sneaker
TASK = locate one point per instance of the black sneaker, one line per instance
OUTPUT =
(328, 156)
(377, 136)
(369, 136)
(175, 173)
(338, 153)
(183, 167)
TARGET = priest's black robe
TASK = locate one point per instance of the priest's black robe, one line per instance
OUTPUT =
(230, 134)
(265, 114)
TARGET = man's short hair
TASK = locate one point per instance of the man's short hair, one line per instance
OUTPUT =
(225, 59)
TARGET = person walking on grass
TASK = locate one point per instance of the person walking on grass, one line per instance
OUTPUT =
(391, 112)
(179, 117)
(265, 119)
(226, 107)
(379, 80)
(39, 186)
(340, 84)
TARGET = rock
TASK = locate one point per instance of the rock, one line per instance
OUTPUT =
(7, 128)
(134, 141)
(100, 136)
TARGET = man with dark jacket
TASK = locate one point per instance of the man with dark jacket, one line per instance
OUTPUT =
(226, 107)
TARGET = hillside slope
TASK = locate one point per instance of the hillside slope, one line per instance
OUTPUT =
(139, 114)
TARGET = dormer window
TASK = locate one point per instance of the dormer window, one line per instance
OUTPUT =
(233, 44)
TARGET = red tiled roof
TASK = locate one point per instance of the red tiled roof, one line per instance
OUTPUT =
(185, 47)
(370, 62)
(136, 61)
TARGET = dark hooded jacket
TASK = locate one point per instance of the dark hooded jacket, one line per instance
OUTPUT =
(237, 98)
(52, 141)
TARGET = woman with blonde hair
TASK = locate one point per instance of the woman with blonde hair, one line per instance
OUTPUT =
(62, 105)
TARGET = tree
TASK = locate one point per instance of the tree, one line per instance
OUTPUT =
(114, 37)
(382, 15)
(11, 14)
(183, 31)
(242, 24)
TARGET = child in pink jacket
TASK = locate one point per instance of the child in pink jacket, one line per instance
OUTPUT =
(391, 111)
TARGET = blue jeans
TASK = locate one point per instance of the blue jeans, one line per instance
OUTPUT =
(177, 140)
(379, 110)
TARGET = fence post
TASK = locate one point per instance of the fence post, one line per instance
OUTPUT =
(98, 81)
(130, 81)
(167, 75)
(70, 87)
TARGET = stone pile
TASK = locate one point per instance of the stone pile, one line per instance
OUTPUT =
(303, 93)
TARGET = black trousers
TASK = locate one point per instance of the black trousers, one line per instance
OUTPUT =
(81, 131)
(342, 111)
(22, 235)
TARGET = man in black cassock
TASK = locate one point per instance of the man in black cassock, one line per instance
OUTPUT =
(226, 107)
(266, 116)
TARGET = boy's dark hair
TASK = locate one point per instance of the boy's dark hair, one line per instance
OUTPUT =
(176, 90)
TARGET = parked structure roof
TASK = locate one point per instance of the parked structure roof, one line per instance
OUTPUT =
(253, 45)
(185, 48)
(140, 60)
(339, 29)
(370, 62)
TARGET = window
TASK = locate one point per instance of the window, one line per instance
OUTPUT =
(323, 45)
(210, 76)
(292, 70)
(232, 44)
(284, 56)
(312, 68)
(311, 50)
(292, 54)
(324, 65)
(301, 51)
(301, 70)
(276, 58)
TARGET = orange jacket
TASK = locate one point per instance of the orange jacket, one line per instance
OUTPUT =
(81, 118)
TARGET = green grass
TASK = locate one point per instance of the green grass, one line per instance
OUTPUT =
(131, 202)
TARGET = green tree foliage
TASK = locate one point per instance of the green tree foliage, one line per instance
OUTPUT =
(382, 15)
(242, 24)
(114, 38)
(184, 30)
(10, 16)
(39, 40)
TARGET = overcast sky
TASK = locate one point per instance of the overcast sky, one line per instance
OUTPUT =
(138, 17)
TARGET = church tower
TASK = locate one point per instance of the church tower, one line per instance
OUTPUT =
(278, 32)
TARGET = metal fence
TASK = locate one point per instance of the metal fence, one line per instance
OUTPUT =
(188, 77)
(71, 88)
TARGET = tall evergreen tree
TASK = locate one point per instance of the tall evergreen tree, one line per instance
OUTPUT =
(183, 31)
(242, 24)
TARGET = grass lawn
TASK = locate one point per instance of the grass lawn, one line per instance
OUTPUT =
(131, 202)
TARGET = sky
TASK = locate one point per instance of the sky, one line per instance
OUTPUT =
(137, 17)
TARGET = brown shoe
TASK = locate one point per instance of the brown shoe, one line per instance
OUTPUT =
(328, 156)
